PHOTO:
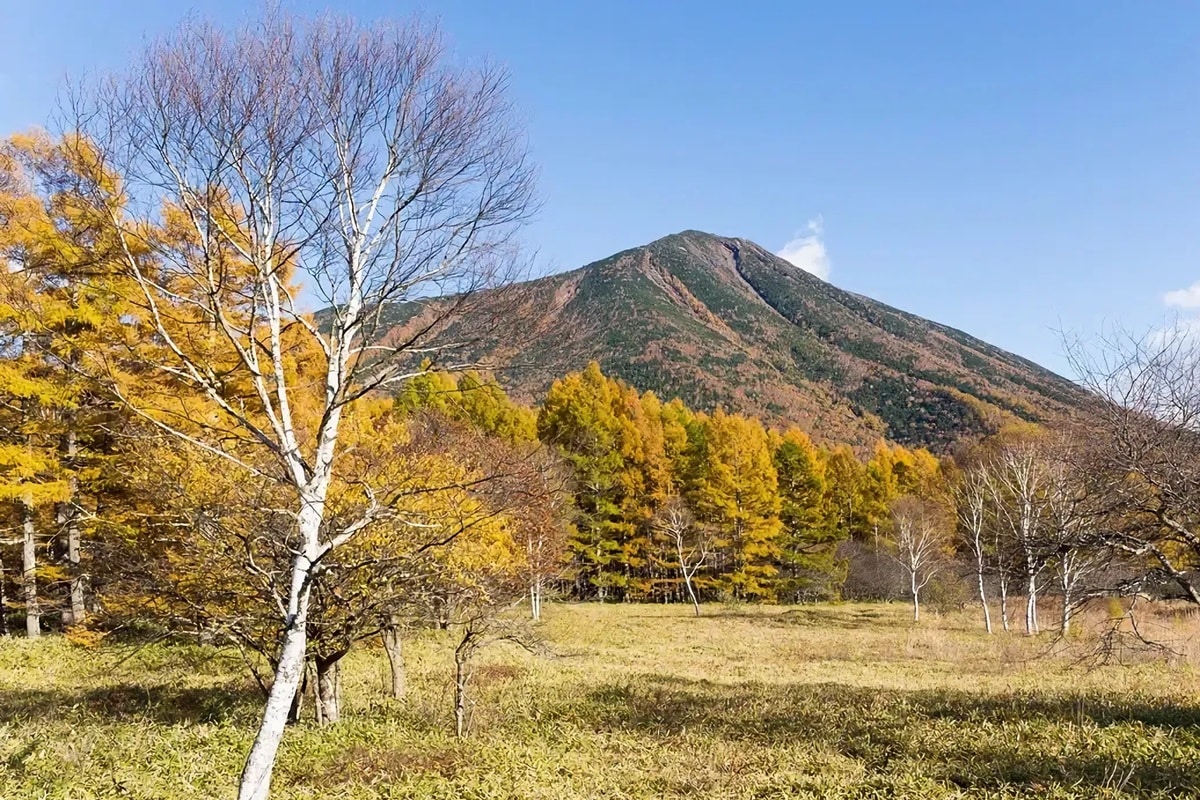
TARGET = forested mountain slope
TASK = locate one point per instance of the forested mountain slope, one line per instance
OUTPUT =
(723, 322)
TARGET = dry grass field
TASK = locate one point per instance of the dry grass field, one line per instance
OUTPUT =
(834, 701)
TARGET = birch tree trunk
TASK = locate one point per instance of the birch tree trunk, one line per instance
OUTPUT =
(971, 496)
(1004, 602)
(1066, 610)
(359, 155)
(1031, 625)
(255, 782)
(916, 595)
(687, 579)
(1067, 575)
(33, 614)
(687, 574)
(260, 763)
(987, 614)
(3, 601)
(78, 612)
(535, 598)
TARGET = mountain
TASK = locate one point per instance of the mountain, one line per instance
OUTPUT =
(722, 321)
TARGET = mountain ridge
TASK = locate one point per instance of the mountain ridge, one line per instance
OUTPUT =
(722, 321)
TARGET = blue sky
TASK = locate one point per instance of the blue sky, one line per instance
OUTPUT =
(1011, 169)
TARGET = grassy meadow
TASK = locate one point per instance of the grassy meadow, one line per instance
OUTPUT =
(635, 701)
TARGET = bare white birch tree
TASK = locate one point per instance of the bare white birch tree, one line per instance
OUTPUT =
(1016, 482)
(690, 541)
(921, 535)
(1076, 552)
(362, 156)
(541, 504)
(970, 502)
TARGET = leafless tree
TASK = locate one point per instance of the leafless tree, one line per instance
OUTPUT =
(480, 612)
(1142, 435)
(971, 505)
(545, 531)
(690, 540)
(535, 492)
(359, 155)
(1016, 482)
(479, 627)
(921, 537)
(1070, 524)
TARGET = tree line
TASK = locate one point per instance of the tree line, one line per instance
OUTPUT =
(761, 512)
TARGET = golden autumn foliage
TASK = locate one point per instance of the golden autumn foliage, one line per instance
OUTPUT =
(777, 505)
(419, 474)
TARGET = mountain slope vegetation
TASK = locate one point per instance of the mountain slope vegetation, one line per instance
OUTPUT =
(722, 321)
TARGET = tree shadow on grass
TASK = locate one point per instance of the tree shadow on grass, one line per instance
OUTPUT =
(846, 619)
(165, 704)
(1084, 744)
(815, 617)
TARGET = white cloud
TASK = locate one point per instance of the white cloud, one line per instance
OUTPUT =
(807, 251)
(1182, 330)
(1184, 298)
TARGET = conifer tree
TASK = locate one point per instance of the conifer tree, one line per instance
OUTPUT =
(578, 417)
(846, 494)
(808, 544)
(60, 299)
(738, 495)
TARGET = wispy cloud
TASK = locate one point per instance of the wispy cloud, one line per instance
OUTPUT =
(807, 251)
(1180, 329)
(1184, 298)
(1185, 324)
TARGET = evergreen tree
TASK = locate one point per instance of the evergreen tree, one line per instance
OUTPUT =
(738, 495)
(578, 417)
(809, 568)
(62, 316)
(472, 398)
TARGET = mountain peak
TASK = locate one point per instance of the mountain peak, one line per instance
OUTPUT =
(722, 321)
(703, 238)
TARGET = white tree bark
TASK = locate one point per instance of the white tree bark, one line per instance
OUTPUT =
(3, 600)
(916, 596)
(260, 763)
(919, 540)
(255, 782)
(535, 598)
(1031, 595)
(983, 601)
(78, 613)
(970, 503)
(461, 657)
(33, 612)
(1067, 598)
(691, 542)
(1017, 482)
(1003, 581)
